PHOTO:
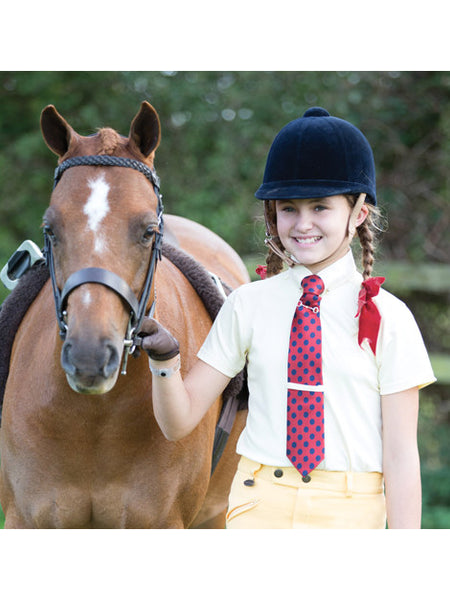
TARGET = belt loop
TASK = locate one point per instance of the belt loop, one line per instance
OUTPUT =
(257, 470)
(348, 484)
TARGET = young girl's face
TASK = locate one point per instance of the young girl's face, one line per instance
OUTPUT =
(314, 231)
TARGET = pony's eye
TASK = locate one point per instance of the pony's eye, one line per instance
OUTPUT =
(148, 234)
(48, 231)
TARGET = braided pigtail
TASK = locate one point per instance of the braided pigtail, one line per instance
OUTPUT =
(367, 241)
(273, 262)
(367, 233)
(275, 251)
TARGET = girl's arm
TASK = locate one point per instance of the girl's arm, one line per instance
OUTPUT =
(179, 405)
(401, 464)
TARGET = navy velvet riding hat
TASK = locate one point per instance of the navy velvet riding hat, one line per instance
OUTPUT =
(318, 155)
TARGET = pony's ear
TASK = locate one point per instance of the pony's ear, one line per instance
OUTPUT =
(56, 131)
(145, 130)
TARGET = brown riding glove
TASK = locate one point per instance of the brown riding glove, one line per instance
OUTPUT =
(157, 341)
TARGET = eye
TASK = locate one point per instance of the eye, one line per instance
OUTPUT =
(48, 231)
(286, 208)
(148, 235)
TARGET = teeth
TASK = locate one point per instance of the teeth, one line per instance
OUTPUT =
(310, 240)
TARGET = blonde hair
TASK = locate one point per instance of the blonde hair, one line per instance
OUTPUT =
(366, 232)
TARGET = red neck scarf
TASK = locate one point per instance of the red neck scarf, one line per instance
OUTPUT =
(368, 313)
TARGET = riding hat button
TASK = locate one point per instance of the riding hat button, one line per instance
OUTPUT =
(306, 478)
(278, 473)
(249, 482)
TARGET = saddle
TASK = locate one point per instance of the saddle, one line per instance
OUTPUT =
(14, 308)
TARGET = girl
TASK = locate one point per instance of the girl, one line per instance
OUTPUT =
(334, 362)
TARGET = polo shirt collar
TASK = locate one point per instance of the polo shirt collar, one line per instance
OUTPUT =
(341, 271)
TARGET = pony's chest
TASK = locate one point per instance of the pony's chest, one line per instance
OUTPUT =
(112, 507)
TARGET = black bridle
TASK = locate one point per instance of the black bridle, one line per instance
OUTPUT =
(102, 276)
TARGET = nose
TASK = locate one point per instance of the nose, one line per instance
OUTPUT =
(303, 222)
(90, 362)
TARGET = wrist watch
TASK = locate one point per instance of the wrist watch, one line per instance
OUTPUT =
(166, 371)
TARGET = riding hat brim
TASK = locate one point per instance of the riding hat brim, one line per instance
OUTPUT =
(291, 190)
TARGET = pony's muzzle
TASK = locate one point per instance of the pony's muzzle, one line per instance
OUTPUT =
(90, 370)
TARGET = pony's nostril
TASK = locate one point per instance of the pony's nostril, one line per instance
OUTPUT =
(66, 360)
(111, 361)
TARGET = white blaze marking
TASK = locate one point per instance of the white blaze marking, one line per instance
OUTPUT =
(96, 208)
(86, 298)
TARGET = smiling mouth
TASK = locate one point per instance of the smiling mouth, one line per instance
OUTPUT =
(308, 241)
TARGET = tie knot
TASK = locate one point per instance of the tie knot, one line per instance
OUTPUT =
(313, 287)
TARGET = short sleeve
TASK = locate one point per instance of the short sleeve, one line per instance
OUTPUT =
(224, 348)
(403, 358)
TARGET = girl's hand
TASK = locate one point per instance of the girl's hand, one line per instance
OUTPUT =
(157, 341)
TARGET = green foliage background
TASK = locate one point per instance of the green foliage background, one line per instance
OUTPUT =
(216, 130)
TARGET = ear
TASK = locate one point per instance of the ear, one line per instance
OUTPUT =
(145, 130)
(56, 131)
(362, 216)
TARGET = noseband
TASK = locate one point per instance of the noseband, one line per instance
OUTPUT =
(102, 276)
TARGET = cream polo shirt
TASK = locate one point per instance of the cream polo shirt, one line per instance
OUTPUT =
(253, 326)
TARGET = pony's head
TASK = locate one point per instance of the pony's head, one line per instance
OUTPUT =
(100, 231)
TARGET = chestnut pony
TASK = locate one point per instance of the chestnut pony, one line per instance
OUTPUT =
(80, 446)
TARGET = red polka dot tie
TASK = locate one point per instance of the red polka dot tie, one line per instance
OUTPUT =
(305, 446)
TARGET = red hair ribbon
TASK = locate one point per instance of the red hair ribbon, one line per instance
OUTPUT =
(261, 270)
(368, 313)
